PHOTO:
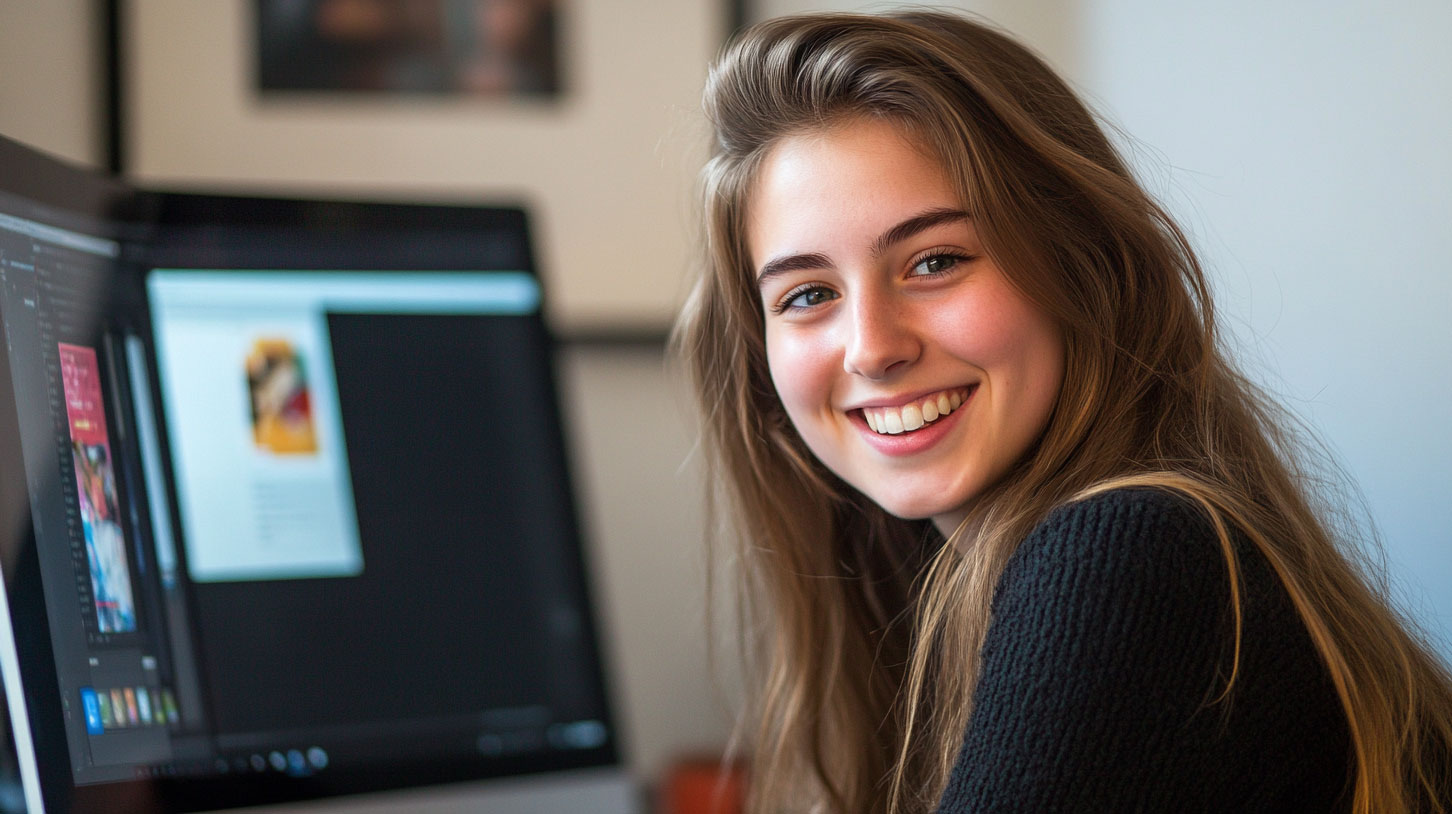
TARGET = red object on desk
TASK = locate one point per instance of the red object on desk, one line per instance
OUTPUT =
(703, 786)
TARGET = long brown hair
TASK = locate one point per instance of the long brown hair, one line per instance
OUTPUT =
(865, 627)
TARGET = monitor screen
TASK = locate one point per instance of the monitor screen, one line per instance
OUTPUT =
(287, 511)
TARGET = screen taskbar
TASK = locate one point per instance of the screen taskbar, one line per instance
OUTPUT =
(309, 753)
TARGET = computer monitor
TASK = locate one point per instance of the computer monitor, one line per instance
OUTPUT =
(285, 503)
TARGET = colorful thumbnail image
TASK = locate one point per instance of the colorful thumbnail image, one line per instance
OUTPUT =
(158, 708)
(129, 707)
(91, 709)
(282, 414)
(143, 704)
(96, 487)
(168, 703)
(118, 707)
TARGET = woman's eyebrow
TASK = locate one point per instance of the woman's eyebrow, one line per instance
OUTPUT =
(791, 262)
(913, 225)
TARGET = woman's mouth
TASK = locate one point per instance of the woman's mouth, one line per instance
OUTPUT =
(915, 414)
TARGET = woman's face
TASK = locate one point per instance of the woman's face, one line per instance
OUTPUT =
(906, 361)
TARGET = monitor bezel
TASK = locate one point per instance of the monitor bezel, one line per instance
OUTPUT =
(69, 196)
(45, 190)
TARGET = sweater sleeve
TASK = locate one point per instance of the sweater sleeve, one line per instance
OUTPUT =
(1111, 636)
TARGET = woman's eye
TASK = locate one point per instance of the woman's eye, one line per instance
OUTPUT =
(936, 264)
(807, 298)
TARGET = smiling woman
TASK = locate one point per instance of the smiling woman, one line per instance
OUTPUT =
(1016, 535)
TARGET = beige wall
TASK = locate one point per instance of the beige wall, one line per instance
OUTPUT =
(50, 88)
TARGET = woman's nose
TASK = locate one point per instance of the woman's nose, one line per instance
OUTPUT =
(880, 338)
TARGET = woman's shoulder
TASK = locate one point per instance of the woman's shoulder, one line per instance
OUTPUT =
(1146, 559)
(1119, 536)
(1104, 670)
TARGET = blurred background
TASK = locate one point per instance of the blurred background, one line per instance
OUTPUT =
(1303, 145)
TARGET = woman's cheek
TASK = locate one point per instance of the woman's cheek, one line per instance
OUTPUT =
(802, 369)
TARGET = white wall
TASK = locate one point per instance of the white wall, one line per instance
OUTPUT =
(1307, 146)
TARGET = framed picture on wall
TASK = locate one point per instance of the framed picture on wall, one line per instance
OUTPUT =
(479, 47)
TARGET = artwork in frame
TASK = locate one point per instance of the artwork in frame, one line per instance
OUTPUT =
(482, 47)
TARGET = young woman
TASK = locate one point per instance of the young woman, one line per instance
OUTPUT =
(1017, 536)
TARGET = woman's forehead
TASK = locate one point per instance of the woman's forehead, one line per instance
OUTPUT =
(854, 181)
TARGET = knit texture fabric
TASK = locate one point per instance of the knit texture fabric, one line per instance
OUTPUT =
(1111, 641)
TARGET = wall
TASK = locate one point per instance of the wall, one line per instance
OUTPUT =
(1305, 146)
(50, 71)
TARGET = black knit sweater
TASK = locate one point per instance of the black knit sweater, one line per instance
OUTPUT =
(1111, 639)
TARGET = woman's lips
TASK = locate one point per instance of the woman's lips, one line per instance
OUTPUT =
(928, 434)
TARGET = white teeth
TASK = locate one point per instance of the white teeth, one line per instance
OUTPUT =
(912, 417)
(909, 417)
(894, 422)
